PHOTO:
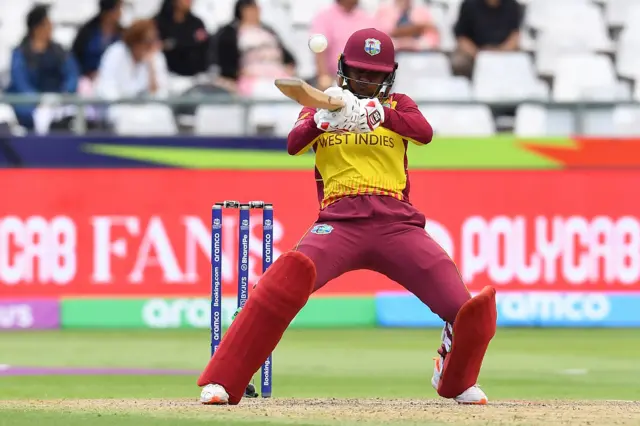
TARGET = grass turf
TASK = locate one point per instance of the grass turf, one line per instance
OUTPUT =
(521, 364)
(28, 418)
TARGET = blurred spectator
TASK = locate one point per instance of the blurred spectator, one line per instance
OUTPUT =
(96, 36)
(248, 50)
(337, 22)
(39, 65)
(134, 66)
(485, 25)
(185, 40)
(409, 23)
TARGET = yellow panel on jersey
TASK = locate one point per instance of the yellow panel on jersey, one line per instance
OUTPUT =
(373, 163)
(354, 164)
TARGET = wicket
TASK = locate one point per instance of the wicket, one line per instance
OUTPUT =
(244, 221)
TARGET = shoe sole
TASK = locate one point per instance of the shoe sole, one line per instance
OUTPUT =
(483, 401)
(434, 383)
(216, 400)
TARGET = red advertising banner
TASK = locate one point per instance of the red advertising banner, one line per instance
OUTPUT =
(147, 232)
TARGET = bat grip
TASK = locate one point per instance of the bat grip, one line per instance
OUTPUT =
(339, 103)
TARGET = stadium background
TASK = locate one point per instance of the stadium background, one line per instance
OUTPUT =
(529, 183)
(547, 213)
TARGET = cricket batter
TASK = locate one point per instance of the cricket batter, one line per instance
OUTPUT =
(365, 222)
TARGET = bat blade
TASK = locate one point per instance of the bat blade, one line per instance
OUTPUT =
(307, 95)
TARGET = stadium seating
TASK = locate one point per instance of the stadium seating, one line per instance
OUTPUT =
(7, 115)
(305, 61)
(572, 50)
(72, 12)
(143, 120)
(416, 65)
(430, 89)
(64, 35)
(281, 118)
(577, 76)
(536, 120)
(209, 13)
(220, 120)
(179, 84)
(618, 11)
(626, 120)
(460, 120)
(506, 77)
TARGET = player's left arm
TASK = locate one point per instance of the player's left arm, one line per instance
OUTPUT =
(407, 120)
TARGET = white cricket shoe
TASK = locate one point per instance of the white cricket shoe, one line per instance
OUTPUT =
(437, 372)
(472, 396)
(214, 395)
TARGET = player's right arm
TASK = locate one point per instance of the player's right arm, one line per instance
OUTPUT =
(304, 133)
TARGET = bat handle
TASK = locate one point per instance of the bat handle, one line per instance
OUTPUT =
(339, 103)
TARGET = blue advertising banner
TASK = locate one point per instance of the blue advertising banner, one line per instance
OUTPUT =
(124, 152)
(520, 309)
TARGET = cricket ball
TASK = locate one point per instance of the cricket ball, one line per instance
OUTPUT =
(318, 43)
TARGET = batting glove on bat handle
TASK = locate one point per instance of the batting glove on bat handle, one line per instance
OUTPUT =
(350, 101)
(334, 122)
(370, 115)
(342, 119)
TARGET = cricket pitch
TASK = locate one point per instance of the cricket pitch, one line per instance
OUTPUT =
(329, 411)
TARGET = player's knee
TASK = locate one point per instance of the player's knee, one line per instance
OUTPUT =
(318, 256)
(287, 284)
(443, 269)
(445, 273)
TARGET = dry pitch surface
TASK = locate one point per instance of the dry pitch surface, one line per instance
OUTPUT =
(360, 411)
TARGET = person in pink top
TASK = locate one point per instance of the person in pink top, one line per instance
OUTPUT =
(409, 24)
(248, 51)
(337, 22)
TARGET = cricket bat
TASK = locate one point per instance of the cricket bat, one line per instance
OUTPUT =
(307, 95)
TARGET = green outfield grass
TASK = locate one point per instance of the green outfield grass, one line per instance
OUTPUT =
(521, 364)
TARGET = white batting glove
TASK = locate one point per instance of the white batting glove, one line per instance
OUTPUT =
(334, 123)
(342, 120)
(370, 115)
